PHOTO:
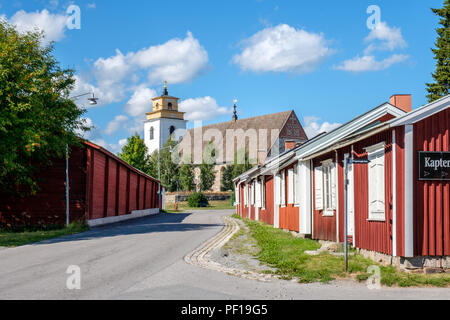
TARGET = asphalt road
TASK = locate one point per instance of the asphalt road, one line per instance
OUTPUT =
(143, 259)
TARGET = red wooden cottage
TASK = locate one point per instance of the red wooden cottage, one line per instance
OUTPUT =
(398, 202)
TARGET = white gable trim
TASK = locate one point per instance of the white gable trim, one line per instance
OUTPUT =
(423, 112)
(343, 131)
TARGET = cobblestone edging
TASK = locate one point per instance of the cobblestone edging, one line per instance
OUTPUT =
(200, 257)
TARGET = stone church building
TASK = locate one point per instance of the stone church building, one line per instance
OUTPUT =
(262, 137)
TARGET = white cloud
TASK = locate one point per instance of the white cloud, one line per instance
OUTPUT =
(140, 102)
(112, 69)
(313, 126)
(383, 38)
(91, 5)
(116, 76)
(106, 94)
(202, 108)
(53, 25)
(283, 49)
(177, 60)
(369, 63)
(94, 133)
(116, 124)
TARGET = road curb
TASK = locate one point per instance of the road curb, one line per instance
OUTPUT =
(200, 257)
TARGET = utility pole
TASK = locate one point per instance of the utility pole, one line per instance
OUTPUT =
(347, 162)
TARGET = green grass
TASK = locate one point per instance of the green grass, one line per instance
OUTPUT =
(213, 205)
(286, 253)
(10, 238)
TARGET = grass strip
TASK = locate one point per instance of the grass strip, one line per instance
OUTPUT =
(286, 253)
(10, 238)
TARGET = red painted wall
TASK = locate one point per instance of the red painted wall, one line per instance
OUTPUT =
(99, 187)
(373, 235)
(289, 215)
(431, 198)
(266, 215)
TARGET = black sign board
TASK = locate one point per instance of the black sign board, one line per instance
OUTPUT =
(434, 165)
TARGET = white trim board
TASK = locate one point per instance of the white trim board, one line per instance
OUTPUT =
(133, 215)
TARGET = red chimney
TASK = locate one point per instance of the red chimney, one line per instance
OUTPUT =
(289, 145)
(402, 101)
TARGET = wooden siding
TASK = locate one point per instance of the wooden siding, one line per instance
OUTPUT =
(431, 198)
(99, 187)
(373, 235)
(266, 214)
(289, 214)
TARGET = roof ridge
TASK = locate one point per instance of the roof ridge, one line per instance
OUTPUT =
(246, 119)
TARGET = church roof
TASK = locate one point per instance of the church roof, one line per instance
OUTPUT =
(269, 122)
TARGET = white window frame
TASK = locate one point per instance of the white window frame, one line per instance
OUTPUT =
(258, 193)
(318, 188)
(283, 189)
(263, 193)
(376, 182)
(297, 184)
(329, 187)
(291, 188)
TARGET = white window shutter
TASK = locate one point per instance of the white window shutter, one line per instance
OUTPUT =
(283, 188)
(333, 185)
(376, 184)
(236, 194)
(297, 184)
(277, 190)
(290, 186)
(263, 192)
(318, 188)
(258, 193)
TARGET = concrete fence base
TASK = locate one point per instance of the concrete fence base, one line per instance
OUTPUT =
(425, 263)
(133, 215)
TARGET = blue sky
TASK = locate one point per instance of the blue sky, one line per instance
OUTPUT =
(318, 58)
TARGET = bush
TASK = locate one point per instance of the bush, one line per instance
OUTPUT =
(197, 199)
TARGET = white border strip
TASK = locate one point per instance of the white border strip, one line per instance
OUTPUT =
(135, 214)
(409, 238)
(394, 195)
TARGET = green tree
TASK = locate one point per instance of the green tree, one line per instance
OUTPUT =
(169, 169)
(241, 164)
(441, 85)
(186, 173)
(226, 182)
(135, 152)
(37, 118)
(207, 172)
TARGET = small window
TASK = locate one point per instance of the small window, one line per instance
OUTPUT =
(151, 133)
(325, 177)
(171, 130)
(170, 105)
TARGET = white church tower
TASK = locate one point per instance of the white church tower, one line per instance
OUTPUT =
(162, 121)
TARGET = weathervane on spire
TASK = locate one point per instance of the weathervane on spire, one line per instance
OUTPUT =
(166, 93)
(235, 117)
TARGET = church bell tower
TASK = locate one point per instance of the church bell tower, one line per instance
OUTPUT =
(164, 120)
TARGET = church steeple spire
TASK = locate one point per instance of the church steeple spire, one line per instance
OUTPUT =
(235, 117)
(165, 93)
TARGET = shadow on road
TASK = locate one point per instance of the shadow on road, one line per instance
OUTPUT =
(159, 223)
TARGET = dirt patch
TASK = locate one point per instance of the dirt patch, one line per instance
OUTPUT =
(240, 252)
